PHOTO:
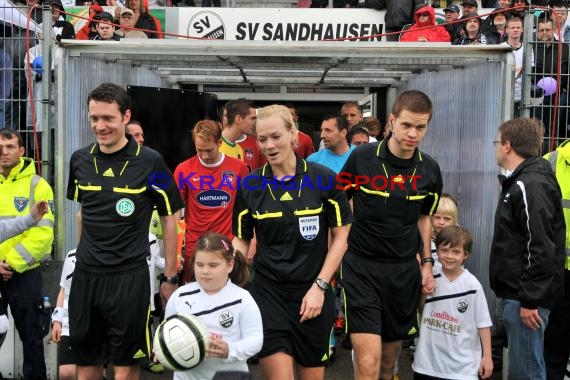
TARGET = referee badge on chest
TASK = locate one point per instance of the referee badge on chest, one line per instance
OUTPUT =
(309, 227)
(125, 207)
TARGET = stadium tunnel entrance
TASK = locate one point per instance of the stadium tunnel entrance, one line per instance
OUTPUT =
(467, 85)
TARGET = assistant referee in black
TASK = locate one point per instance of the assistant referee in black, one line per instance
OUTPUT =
(380, 273)
(118, 183)
(292, 205)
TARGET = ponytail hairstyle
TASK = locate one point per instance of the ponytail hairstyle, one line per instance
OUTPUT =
(218, 243)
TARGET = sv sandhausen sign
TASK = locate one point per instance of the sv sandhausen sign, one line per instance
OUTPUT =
(279, 24)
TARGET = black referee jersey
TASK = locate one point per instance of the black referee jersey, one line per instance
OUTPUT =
(291, 220)
(117, 198)
(387, 212)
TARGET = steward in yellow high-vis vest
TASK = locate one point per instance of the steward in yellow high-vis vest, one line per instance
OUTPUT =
(21, 256)
(557, 334)
(560, 163)
(20, 189)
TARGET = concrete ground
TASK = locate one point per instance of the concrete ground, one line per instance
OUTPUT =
(341, 368)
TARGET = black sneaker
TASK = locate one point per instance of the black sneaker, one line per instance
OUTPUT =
(253, 360)
(347, 343)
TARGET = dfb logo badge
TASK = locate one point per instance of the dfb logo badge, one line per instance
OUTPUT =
(226, 319)
(125, 207)
(207, 25)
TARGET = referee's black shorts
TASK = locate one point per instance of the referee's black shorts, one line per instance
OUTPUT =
(381, 297)
(65, 354)
(108, 314)
(307, 342)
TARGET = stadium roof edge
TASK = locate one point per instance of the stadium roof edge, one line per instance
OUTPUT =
(315, 64)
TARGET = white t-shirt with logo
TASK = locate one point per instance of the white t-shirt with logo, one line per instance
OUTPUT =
(230, 314)
(65, 283)
(154, 261)
(449, 345)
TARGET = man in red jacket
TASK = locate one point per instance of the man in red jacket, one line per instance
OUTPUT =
(425, 28)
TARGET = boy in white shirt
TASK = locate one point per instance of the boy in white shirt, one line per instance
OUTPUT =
(455, 338)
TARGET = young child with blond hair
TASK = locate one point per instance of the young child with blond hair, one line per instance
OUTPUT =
(445, 215)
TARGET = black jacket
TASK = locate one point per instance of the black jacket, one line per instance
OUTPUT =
(481, 39)
(147, 23)
(67, 30)
(488, 24)
(116, 37)
(63, 29)
(398, 12)
(454, 31)
(528, 251)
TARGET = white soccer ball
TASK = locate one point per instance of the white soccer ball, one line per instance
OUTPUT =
(180, 342)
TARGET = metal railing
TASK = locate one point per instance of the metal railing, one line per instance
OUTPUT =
(546, 77)
(25, 85)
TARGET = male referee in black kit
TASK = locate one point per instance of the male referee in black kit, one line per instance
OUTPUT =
(118, 183)
(380, 273)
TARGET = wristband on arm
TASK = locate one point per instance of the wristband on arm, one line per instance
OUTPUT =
(428, 260)
(57, 315)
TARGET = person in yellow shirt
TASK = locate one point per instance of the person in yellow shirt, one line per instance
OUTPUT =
(22, 255)
(557, 334)
(241, 116)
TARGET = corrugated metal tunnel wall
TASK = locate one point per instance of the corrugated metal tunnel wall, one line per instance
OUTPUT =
(467, 114)
(469, 104)
(82, 75)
